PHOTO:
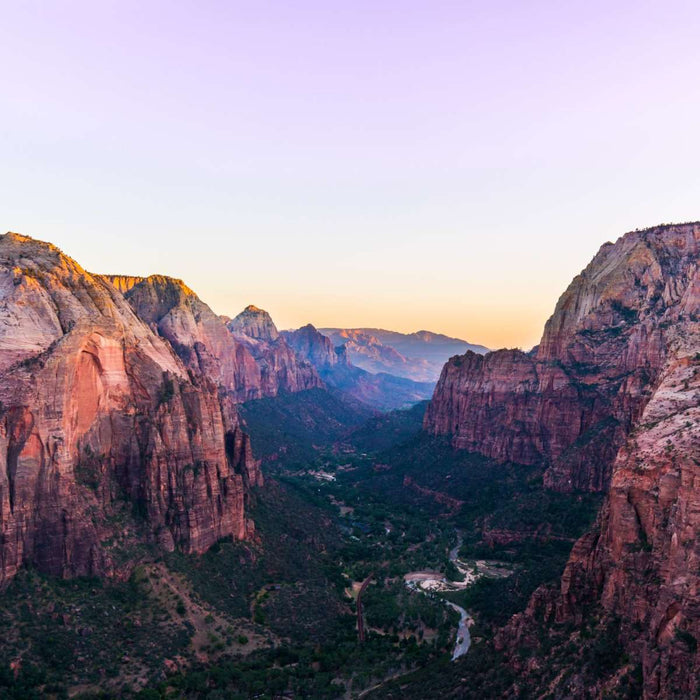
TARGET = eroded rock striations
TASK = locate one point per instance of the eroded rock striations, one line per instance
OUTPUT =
(196, 333)
(641, 563)
(105, 438)
(571, 401)
(622, 350)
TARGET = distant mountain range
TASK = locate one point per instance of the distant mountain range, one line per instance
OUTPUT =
(418, 356)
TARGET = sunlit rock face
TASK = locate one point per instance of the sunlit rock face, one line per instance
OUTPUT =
(198, 336)
(245, 366)
(256, 323)
(105, 438)
(571, 402)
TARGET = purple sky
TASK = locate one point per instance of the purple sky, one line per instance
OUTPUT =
(440, 165)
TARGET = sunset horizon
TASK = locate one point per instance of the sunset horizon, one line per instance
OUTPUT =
(350, 350)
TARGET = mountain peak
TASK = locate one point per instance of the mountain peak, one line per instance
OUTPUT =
(30, 246)
(255, 323)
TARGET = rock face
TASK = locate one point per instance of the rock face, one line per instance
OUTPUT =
(641, 564)
(624, 342)
(123, 282)
(253, 322)
(280, 368)
(245, 367)
(196, 333)
(572, 401)
(418, 356)
(105, 438)
(315, 347)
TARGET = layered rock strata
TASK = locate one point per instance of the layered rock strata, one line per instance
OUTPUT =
(571, 401)
(104, 435)
(641, 563)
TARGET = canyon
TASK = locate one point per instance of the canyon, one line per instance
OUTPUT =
(134, 423)
(574, 398)
(380, 390)
(419, 356)
(120, 419)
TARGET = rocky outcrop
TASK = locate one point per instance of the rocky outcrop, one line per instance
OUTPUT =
(105, 438)
(280, 367)
(245, 367)
(572, 401)
(197, 334)
(123, 282)
(315, 347)
(256, 323)
(645, 564)
(641, 563)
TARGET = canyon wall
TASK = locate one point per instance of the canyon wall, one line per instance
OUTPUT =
(280, 367)
(640, 564)
(106, 440)
(571, 401)
(609, 400)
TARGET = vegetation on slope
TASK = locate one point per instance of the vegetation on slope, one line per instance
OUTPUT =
(277, 614)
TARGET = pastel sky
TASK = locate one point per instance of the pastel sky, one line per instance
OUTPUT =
(408, 165)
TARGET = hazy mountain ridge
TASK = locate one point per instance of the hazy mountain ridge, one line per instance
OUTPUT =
(418, 356)
(381, 391)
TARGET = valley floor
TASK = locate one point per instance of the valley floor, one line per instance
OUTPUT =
(276, 616)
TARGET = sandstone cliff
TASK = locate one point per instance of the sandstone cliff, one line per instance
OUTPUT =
(280, 368)
(197, 334)
(123, 282)
(315, 347)
(105, 439)
(571, 402)
(641, 563)
(612, 389)
(254, 323)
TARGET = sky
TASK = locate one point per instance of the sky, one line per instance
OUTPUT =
(434, 165)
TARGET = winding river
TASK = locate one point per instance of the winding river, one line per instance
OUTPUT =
(424, 581)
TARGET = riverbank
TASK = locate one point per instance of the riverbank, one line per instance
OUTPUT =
(435, 582)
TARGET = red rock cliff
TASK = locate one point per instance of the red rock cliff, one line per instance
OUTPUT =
(641, 563)
(281, 368)
(104, 437)
(571, 402)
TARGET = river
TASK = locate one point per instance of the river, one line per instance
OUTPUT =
(434, 581)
